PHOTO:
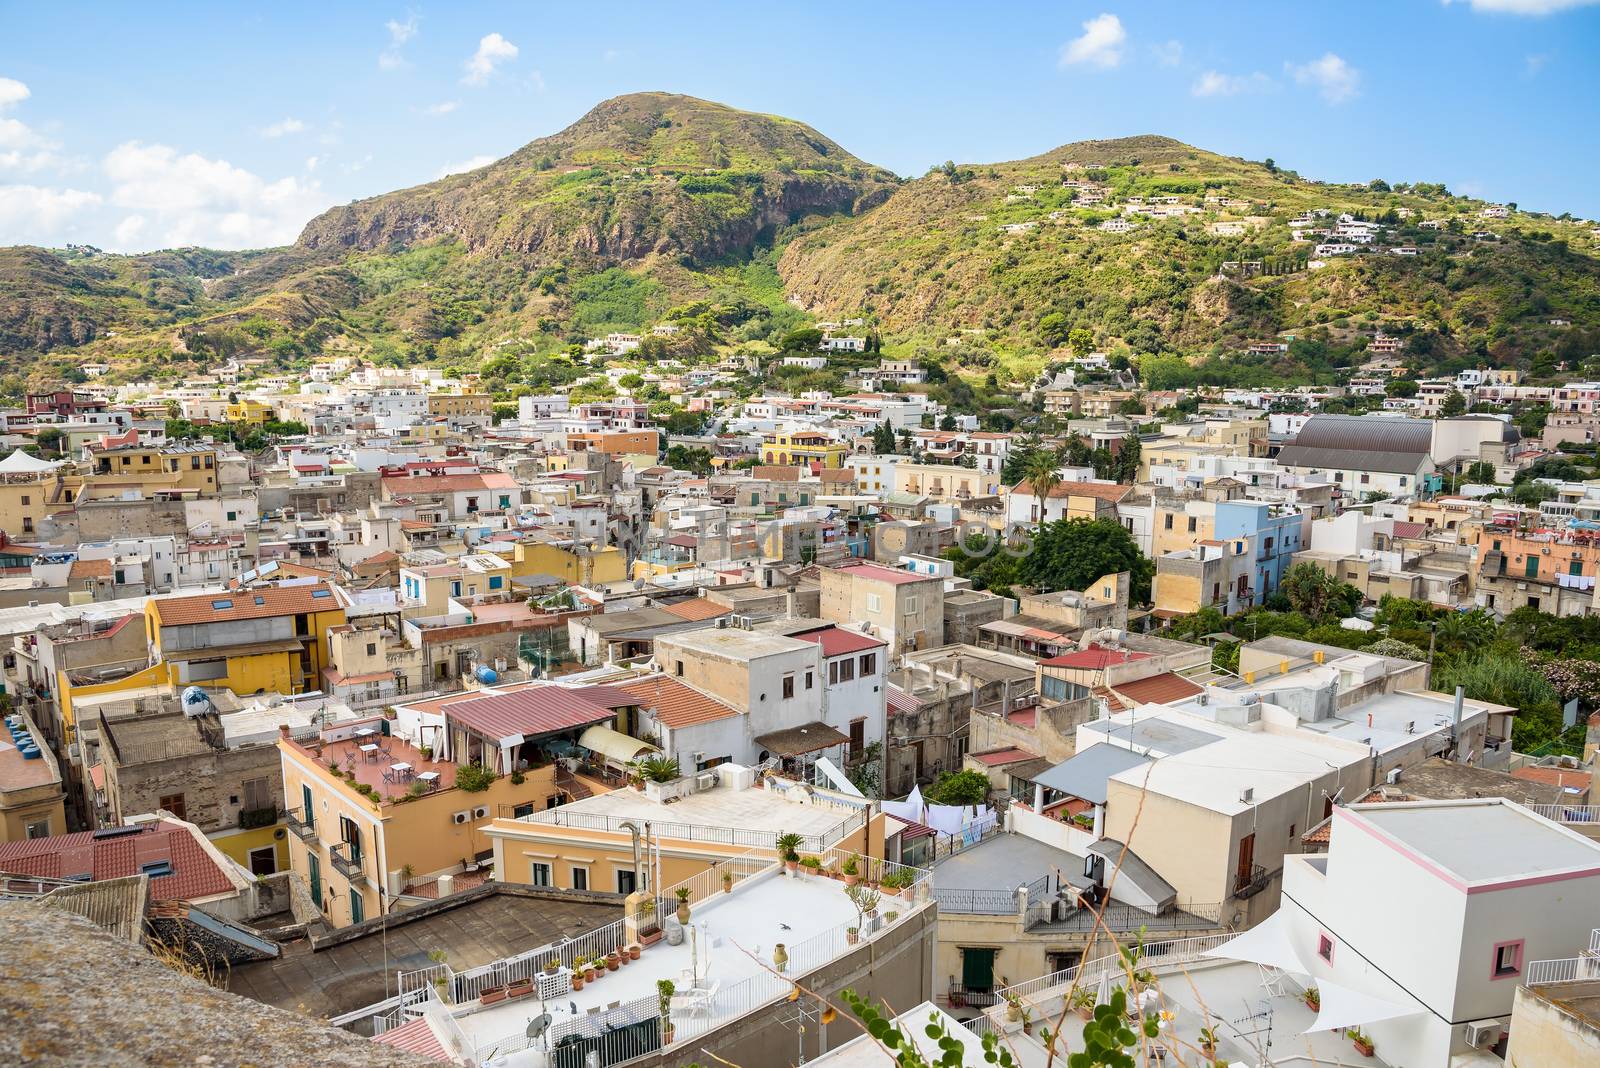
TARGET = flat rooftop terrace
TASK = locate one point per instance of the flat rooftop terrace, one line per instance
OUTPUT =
(1478, 841)
(722, 807)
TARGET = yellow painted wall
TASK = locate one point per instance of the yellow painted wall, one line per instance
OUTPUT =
(155, 675)
(14, 821)
(237, 844)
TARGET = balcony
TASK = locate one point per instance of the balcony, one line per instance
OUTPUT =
(1249, 884)
(346, 865)
(305, 830)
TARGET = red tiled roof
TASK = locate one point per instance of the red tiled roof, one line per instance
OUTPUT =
(1565, 778)
(539, 710)
(697, 608)
(676, 704)
(1104, 491)
(1094, 658)
(260, 603)
(899, 700)
(415, 1036)
(838, 642)
(1157, 689)
(1402, 529)
(87, 569)
(62, 856)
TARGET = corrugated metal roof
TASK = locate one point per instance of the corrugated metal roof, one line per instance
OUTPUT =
(539, 710)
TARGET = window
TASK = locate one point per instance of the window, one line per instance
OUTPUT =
(1192, 524)
(40, 829)
(495, 582)
(869, 664)
(788, 687)
(811, 679)
(232, 516)
(173, 803)
(627, 881)
(1168, 518)
(580, 878)
(677, 669)
(26, 500)
(1507, 960)
(911, 605)
(874, 603)
(539, 873)
(372, 649)
(455, 589)
(1325, 948)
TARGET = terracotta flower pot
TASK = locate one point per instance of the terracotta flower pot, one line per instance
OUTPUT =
(851, 880)
(633, 952)
(1366, 1049)
(683, 912)
(577, 981)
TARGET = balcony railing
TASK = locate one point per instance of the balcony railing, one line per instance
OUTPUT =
(348, 866)
(1252, 882)
(305, 829)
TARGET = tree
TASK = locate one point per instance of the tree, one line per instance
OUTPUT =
(1053, 329)
(689, 459)
(1467, 631)
(1455, 404)
(1481, 472)
(1317, 595)
(1069, 554)
(1401, 387)
(1043, 475)
(948, 422)
(958, 788)
(883, 439)
(1532, 494)
(805, 339)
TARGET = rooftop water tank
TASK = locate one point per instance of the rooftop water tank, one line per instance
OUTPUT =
(195, 701)
(486, 674)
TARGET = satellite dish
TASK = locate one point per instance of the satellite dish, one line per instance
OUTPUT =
(538, 1025)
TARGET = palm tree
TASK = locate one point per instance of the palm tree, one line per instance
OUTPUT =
(1468, 630)
(1043, 475)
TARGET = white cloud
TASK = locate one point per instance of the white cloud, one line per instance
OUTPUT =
(444, 107)
(128, 230)
(392, 58)
(1335, 79)
(1215, 83)
(465, 165)
(493, 50)
(312, 161)
(283, 128)
(12, 92)
(1524, 7)
(1168, 53)
(35, 215)
(1100, 46)
(1533, 64)
(188, 199)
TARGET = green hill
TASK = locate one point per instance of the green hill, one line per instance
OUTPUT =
(742, 227)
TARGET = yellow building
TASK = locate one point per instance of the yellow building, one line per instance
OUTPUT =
(31, 797)
(174, 470)
(29, 487)
(273, 639)
(460, 405)
(803, 447)
(246, 410)
(566, 559)
(945, 482)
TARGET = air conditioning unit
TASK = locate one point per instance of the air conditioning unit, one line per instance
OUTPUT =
(1247, 796)
(460, 817)
(699, 758)
(1482, 1034)
(481, 812)
(706, 780)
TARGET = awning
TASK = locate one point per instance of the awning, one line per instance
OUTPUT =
(796, 741)
(1343, 1008)
(614, 745)
(1267, 943)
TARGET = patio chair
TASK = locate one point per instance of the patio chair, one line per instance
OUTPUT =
(1273, 980)
(388, 776)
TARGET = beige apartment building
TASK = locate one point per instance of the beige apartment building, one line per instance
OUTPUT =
(903, 608)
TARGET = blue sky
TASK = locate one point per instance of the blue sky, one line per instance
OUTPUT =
(144, 126)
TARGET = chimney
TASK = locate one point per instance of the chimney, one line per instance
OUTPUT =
(789, 602)
(283, 731)
(1455, 724)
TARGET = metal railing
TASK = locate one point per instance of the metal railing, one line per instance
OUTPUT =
(305, 829)
(977, 902)
(1252, 882)
(1153, 955)
(735, 836)
(1123, 918)
(1568, 813)
(1567, 970)
(619, 1034)
(348, 866)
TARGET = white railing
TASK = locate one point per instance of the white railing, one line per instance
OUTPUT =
(1568, 813)
(1154, 955)
(1568, 970)
(735, 836)
(710, 882)
(620, 1034)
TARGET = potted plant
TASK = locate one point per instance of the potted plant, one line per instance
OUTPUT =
(895, 881)
(727, 882)
(633, 951)
(1083, 1002)
(577, 977)
(1027, 1022)
(1013, 1008)
(812, 866)
(552, 966)
(519, 987)
(1208, 1042)
(489, 995)
(789, 850)
(1313, 999)
(1363, 1042)
(613, 961)
(664, 991)
(865, 900)
(852, 935)
(591, 970)
(649, 929)
(850, 871)
(683, 904)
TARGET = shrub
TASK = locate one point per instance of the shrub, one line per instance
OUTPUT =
(658, 768)
(475, 778)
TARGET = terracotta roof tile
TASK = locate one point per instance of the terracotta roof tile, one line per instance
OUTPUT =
(697, 608)
(1094, 658)
(262, 603)
(676, 704)
(1102, 490)
(1157, 689)
(62, 856)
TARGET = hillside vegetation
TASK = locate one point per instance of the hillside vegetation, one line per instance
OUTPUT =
(742, 227)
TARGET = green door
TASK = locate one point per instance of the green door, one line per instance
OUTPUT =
(977, 968)
(309, 814)
(358, 910)
(314, 877)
